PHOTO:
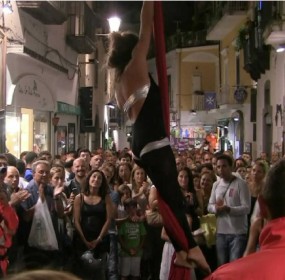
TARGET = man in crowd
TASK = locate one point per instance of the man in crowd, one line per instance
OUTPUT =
(96, 162)
(247, 157)
(268, 262)
(85, 154)
(79, 168)
(30, 158)
(39, 187)
(230, 201)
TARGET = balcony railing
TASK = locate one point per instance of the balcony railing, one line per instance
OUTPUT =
(221, 8)
(186, 39)
(47, 12)
(204, 101)
(82, 25)
(198, 102)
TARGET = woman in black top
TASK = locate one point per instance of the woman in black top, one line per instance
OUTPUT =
(92, 212)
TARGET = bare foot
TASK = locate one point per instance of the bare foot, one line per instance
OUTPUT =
(195, 255)
(182, 260)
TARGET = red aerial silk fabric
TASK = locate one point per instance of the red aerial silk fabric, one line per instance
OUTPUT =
(174, 229)
(161, 62)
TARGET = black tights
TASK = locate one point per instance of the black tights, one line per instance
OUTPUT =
(161, 168)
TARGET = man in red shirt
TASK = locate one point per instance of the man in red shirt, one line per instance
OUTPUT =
(268, 262)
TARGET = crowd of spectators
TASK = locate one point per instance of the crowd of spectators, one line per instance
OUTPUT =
(97, 201)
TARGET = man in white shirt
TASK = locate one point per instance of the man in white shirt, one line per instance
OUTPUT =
(230, 201)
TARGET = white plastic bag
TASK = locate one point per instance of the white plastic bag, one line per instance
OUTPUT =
(42, 234)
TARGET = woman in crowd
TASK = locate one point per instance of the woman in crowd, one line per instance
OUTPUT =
(64, 225)
(124, 170)
(206, 241)
(258, 173)
(206, 183)
(140, 187)
(154, 236)
(92, 212)
(196, 180)
(112, 180)
(241, 170)
(185, 180)
(140, 192)
(125, 193)
(256, 222)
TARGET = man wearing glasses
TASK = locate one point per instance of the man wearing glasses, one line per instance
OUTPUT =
(39, 187)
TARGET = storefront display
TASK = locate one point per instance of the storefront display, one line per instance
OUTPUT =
(189, 137)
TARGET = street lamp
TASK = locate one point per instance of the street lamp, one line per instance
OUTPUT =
(114, 23)
(114, 26)
(236, 118)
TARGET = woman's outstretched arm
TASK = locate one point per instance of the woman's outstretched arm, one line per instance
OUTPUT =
(146, 25)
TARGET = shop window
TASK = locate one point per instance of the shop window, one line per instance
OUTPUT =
(40, 142)
(13, 134)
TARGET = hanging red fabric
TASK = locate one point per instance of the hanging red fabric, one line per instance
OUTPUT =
(161, 62)
(171, 223)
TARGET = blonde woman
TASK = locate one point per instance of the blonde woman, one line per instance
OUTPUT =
(65, 228)
(140, 187)
(256, 184)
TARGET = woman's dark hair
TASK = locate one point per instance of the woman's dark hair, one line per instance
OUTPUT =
(241, 159)
(211, 174)
(191, 209)
(207, 165)
(118, 179)
(226, 158)
(103, 190)
(21, 166)
(12, 160)
(121, 45)
(190, 179)
(122, 188)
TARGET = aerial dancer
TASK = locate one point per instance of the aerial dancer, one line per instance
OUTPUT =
(139, 96)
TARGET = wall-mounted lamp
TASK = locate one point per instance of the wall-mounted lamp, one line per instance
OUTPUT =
(111, 105)
(7, 7)
(114, 25)
(280, 48)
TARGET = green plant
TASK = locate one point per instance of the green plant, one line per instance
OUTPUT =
(243, 35)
